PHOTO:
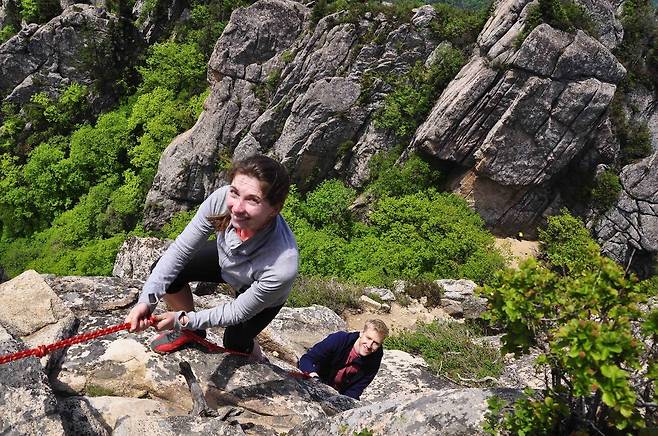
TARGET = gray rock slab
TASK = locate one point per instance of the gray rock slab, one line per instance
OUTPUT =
(27, 404)
(445, 412)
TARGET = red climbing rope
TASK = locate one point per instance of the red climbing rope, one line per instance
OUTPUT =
(42, 350)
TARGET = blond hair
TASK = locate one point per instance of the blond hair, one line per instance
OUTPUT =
(377, 325)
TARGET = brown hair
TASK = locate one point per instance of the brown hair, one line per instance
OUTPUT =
(273, 178)
(377, 325)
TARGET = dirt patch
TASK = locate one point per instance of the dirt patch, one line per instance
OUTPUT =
(517, 250)
(399, 318)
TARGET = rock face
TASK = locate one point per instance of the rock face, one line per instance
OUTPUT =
(137, 255)
(628, 232)
(514, 119)
(83, 45)
(283, 87)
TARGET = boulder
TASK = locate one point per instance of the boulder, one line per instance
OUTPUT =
(315, 323)
(32, 312)
(136, 257)
(85, 295)
(402, 372)
(448, 411)
(381, 293)
(28, 405)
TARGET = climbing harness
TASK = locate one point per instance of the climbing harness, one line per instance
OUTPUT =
(42, 350)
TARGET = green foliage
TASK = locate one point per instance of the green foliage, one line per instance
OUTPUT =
(581, 311)
(46, 117)
(6, 32)
(265, 91)
(459, 24)
(328, 206)
(98, 391)
(180, 68)
(639, 48)
(448, 348)
(606, 190)
(424, 235)
(415, 92)
(335, 295)
(634, 136)
(208, 18)
(390, 179)
(177, 223)
(60, 183)
(567, 245)
(560, 14)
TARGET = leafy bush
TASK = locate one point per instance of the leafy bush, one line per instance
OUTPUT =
(180, 68)
(432, 292)
(389, 179)
(567, 245)
(581, 311)
(606, 190)
(208, 18)
(460, 23)
(448, 348)
(7, 32)
(39, 11)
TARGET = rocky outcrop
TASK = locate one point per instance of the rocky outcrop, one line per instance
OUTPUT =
(84, 45)
(32, 312)
(292, 90)
(115, 385)
(136, 257)
(628, 232)
(28, 405)
(515, 118)
(449, 412)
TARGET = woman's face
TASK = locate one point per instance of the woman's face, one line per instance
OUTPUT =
(247, 205)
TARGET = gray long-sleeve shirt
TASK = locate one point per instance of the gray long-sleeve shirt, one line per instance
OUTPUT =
(266, 263)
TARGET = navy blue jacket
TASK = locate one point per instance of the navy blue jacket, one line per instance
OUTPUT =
(328, 356)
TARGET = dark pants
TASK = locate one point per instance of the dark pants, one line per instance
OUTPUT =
(204, 267)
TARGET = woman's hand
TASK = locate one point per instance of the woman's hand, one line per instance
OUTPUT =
(165, 321)
(138, 317)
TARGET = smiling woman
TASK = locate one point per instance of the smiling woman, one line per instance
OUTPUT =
(255, 252)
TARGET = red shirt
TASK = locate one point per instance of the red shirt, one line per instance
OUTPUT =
(348, 369)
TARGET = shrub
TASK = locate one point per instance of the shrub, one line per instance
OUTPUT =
(606, 190)
(567, 245)
(7, 32)
(432, 292)
(330, 293)
(415, 92)
(583, 325)
(560, 14)
(176, 67)
(389, 179)
(448, 348)
(580, 310)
